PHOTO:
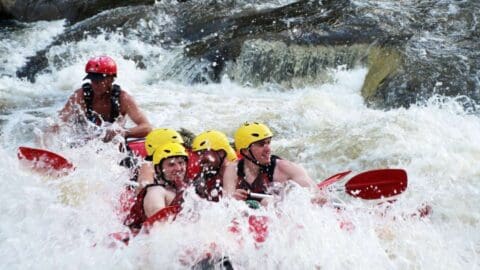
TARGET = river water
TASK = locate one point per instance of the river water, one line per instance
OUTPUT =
(63, 223)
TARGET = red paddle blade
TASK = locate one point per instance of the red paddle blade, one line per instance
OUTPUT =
(43, 159)
(332, 179)
(377, 184)
(162, 215)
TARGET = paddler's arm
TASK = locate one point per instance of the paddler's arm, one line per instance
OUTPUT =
(154, 200)
(68, 109)
(146, 175)
(143, 126)
(230, 183)
(299, 175)
(64, 115)
(291, 171)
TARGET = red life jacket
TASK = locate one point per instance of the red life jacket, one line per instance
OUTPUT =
(261, 182)
(137, 216)
(193, 166)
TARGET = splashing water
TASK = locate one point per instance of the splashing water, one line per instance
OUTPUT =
(64, 222)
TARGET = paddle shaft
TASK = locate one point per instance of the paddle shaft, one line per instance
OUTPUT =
(260, 196)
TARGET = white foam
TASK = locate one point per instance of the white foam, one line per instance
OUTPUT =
(326, 128)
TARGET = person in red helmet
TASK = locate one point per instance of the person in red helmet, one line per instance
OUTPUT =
(100, 101)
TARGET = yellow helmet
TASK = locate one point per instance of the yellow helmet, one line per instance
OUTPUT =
(214, 140)
(168, 150)
(249, 133)
(159, 137)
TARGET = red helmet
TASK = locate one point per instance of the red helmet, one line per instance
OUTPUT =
(104, 65)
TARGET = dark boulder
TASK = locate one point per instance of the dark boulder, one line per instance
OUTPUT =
(298, 42)
(441, 59)
(220, 39)
(72, 10)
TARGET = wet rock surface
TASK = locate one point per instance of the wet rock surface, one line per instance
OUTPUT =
(295, 45)
(71, 10)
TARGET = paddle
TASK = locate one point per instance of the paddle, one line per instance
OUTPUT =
(369, 185)
(332, 179)
(377, 184)
(327, 182)
(44, 161)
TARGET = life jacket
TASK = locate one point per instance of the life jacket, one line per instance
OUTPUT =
(193, 166)
(262, 181)
(93, 116)
(137, 215)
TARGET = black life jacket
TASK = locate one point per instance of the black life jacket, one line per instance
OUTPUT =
(93, 116)
(262, 181)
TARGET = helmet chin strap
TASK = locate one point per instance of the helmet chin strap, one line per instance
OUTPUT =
(162, 176)
(254, 160)
(159, 172)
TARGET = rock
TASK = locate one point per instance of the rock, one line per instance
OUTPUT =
(295, 44)
(72, 10)
(292, 65)
(383, 63)
(220, 39)
(410, 79)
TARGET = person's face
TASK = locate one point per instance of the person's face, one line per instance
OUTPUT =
(210, 162)
(174, 170)
(102, 84)
(261, 151)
